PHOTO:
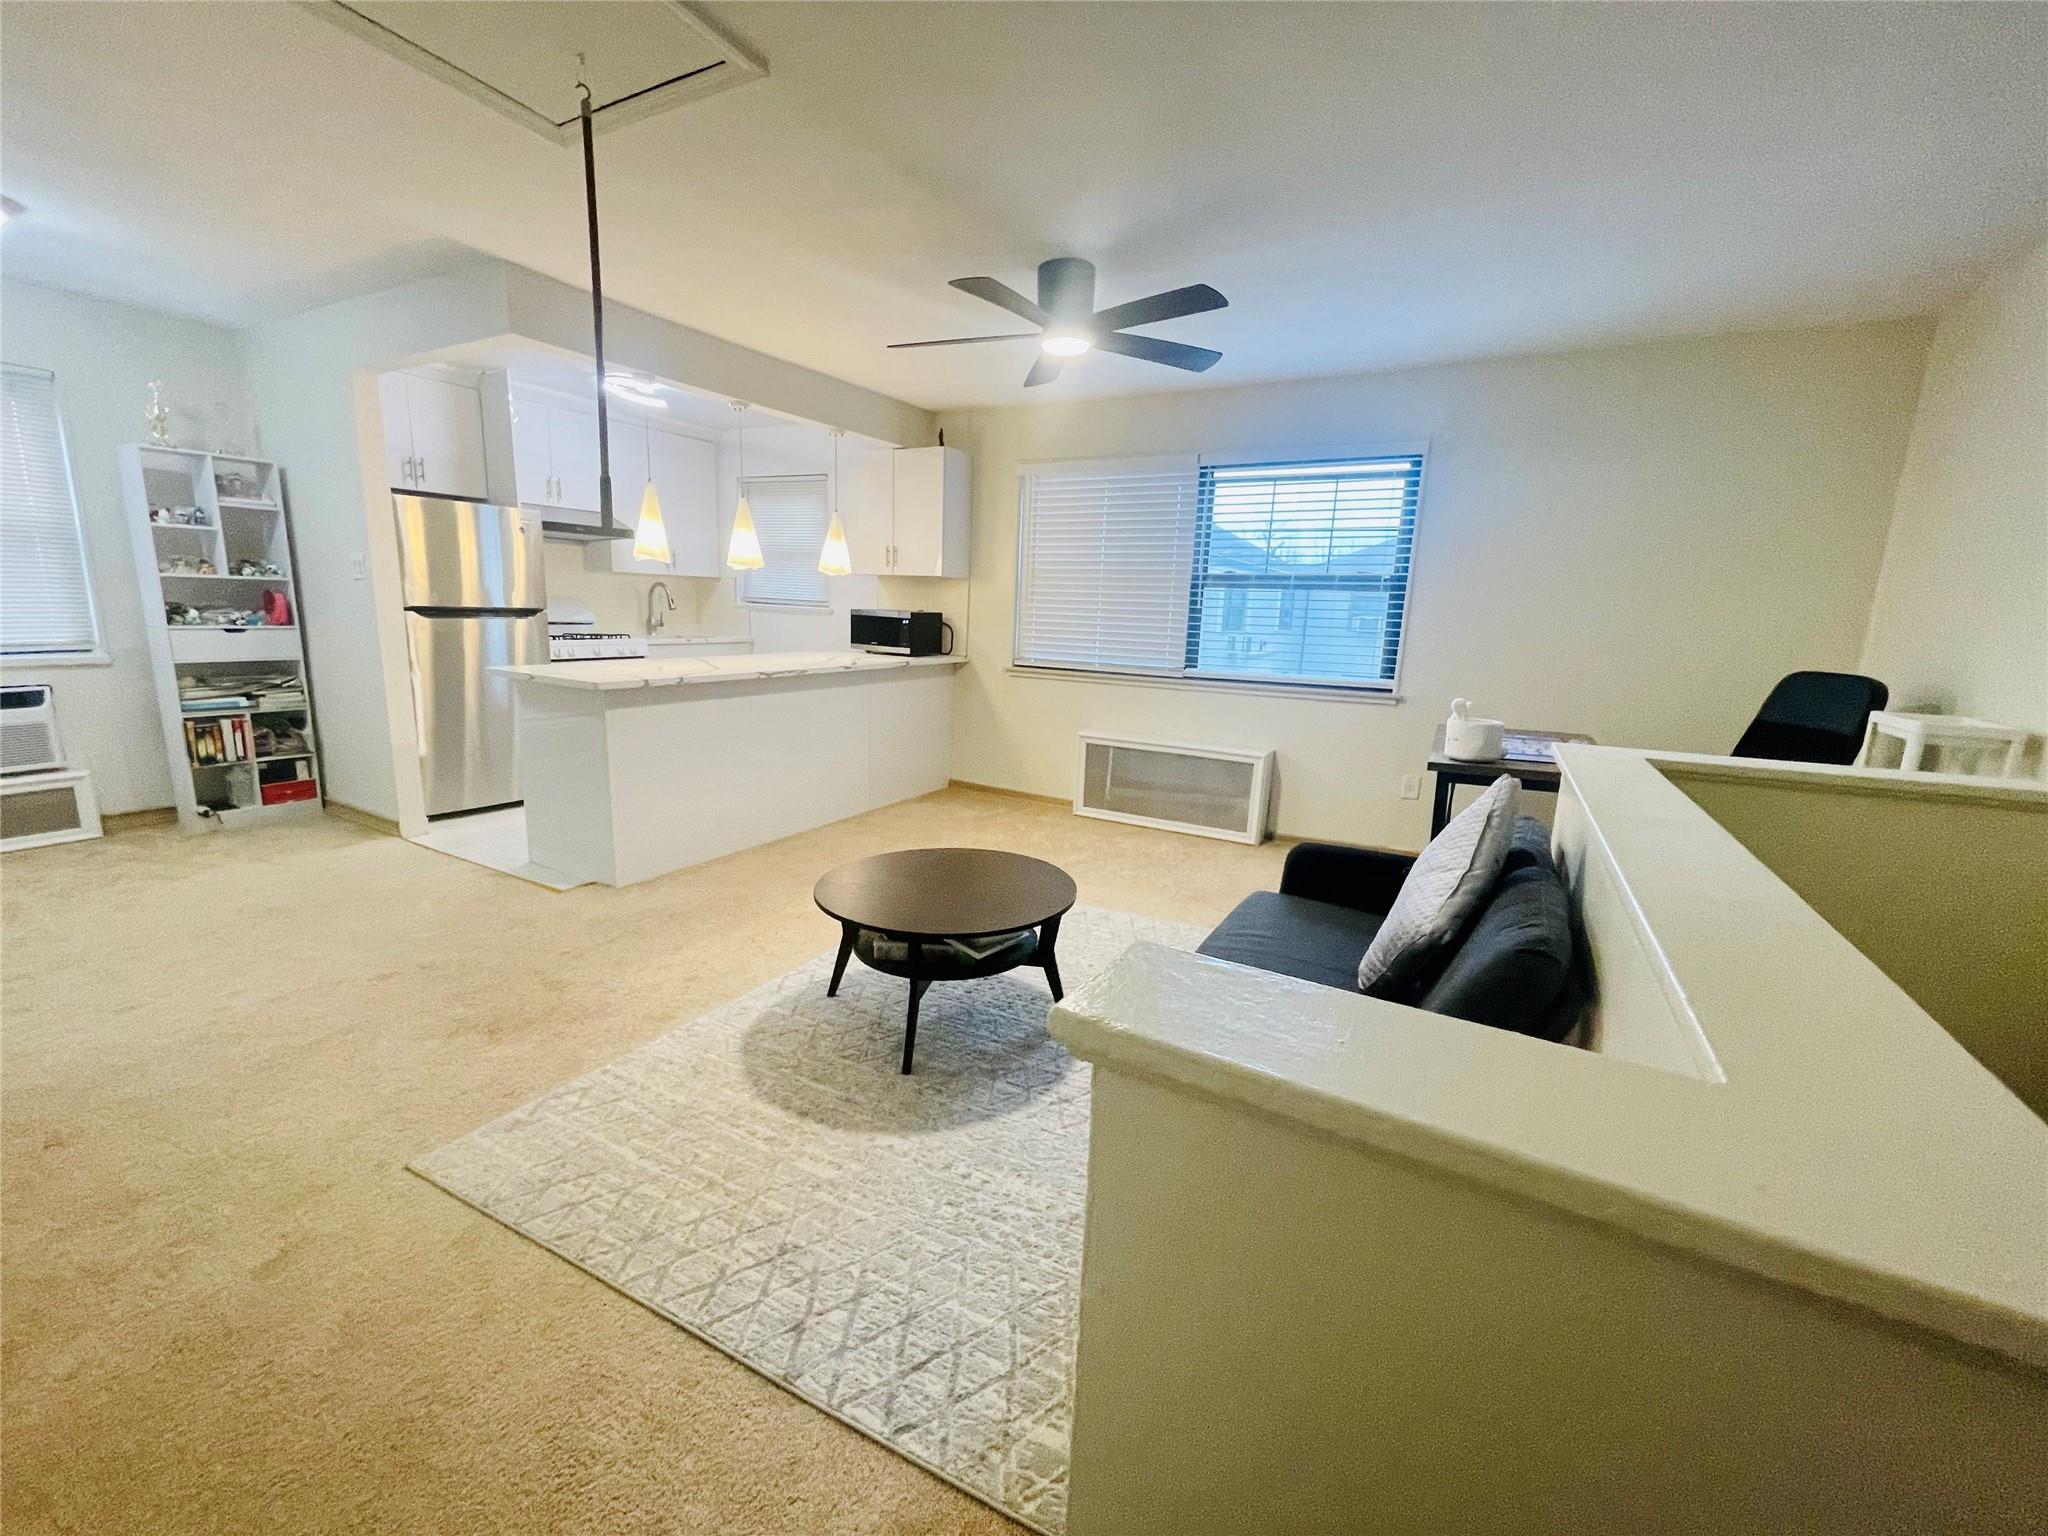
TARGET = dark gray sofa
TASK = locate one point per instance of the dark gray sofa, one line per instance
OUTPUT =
(1512, 966)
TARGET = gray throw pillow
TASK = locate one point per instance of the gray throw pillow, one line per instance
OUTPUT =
(1444, 888)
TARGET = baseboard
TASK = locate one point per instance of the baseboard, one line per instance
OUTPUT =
(363, 818)
(1014, 794)
(135, 821)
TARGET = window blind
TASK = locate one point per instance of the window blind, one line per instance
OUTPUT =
(1103, 561)
(790, 515)
(45, 598)
(1301, 570)
(1287, 571)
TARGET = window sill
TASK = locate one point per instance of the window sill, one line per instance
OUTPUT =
(1212, 685)
(786, 607)
(28, 661)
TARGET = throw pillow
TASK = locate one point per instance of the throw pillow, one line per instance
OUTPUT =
(1444, 888)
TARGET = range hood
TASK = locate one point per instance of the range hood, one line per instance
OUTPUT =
(582, 533)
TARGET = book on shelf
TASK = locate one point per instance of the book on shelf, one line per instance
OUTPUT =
(209, 703)
(225, 740)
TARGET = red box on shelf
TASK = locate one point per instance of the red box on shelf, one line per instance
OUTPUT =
(287, 790)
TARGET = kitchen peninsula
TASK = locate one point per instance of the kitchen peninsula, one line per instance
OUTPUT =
(633, 768)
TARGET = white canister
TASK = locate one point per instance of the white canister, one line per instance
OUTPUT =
(1470, 739)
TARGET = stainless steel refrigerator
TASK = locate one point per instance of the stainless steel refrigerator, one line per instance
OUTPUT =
(475, 598)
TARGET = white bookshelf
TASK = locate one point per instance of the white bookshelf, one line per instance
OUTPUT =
(216, 553)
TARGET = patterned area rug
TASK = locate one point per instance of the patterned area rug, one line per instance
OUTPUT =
(903, 1252)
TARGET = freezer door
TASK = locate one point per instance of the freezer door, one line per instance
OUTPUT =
(466, 554)
(463, 711)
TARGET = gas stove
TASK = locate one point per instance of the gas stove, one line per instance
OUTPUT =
(592, 645)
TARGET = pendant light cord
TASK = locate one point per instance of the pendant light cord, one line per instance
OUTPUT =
(604, 446)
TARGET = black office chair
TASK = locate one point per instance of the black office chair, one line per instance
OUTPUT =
(1814, 717)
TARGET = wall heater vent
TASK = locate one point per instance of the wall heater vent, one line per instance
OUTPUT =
(41, 808)
(1211, 791)
(28, 729)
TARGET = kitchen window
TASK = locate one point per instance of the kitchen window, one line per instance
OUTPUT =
(1291, 572)
(790, 515)
(46, 605)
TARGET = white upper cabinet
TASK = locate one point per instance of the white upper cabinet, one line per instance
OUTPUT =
(433, 436)
(867, 498)
(929, 513)
(685, 473)
(554, 454)
(532, 466)
(572, 445)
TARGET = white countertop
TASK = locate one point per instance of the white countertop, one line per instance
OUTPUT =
(668, 639)
(685, 671)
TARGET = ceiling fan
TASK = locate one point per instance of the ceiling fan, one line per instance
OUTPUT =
(1069, 324)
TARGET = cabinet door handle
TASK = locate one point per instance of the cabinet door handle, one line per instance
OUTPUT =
(423, 471)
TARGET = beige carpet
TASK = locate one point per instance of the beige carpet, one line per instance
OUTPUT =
(228, 1308)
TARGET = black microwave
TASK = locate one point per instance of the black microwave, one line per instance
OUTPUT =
(902, 631)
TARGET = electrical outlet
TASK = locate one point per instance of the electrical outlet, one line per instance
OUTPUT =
(1411, 786)
(358, 567)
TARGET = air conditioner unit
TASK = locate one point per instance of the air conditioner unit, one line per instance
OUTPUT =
(1211, 791)
(39, 808)
(28, 729)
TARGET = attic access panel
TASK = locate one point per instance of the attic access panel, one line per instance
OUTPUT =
(643, 56)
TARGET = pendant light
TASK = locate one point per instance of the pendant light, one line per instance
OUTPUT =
(743, 553)
(650, 539)
(833, 559)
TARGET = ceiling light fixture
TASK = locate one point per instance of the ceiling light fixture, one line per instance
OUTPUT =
(1065, 344)
(640, 391)
(743, 551)
(650, 535)
(9, 208)
(834, 559)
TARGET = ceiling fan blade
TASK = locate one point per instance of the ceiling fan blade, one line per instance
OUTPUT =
(1066, 289)
(1152, 350)
(961, 341)
(1171, 305)
(1003, 294)
(1044, 371)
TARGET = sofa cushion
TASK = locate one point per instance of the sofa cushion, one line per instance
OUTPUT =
(1528, 844)
(1513, 967)
(1315, 940)
(1444, 888)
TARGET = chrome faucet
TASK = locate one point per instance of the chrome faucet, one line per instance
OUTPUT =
(657, 618)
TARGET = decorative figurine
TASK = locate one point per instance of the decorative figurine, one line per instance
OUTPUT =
(159, 416)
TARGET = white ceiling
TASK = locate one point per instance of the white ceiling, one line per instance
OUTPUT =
(1372, 186)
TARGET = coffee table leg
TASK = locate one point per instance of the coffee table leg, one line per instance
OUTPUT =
(1048, 935)
(839, 965)
(917, 987)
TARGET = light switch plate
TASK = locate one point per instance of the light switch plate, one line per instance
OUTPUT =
(1411, 786)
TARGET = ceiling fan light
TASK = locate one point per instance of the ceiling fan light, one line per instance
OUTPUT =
(1065, 344)
(743, 551)
(650, 539)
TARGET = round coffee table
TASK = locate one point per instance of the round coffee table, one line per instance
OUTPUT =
(898, 911)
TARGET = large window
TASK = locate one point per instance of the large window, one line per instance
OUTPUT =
(790, 515)
(1288, 571)
(45, 599)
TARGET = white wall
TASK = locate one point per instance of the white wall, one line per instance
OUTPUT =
(104, 356)
(1960, 621)
(1635, 543)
